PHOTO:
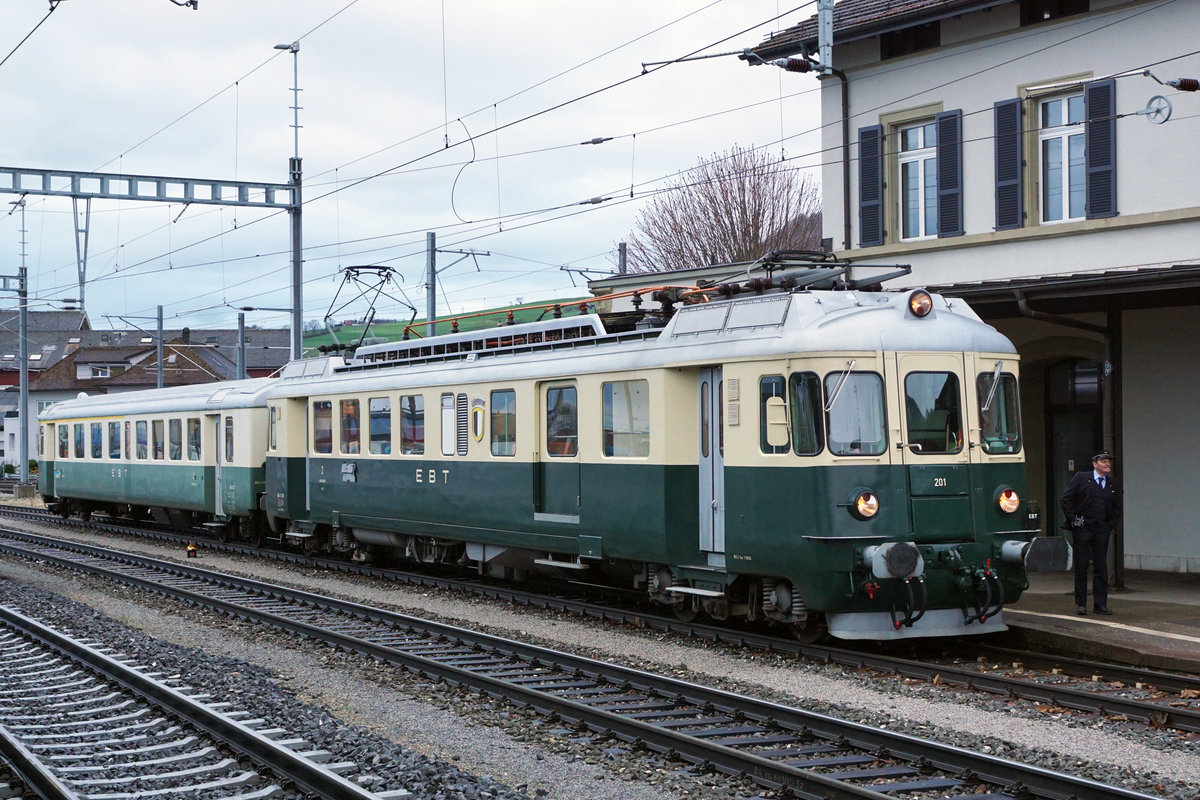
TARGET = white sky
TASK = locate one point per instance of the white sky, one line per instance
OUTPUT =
(100, 85)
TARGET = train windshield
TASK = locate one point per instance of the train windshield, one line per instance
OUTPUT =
(854, 414)
(999, 413)
(932, 412)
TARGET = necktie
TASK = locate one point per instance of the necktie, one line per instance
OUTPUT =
(1101, 482)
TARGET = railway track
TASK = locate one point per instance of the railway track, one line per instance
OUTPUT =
(1140, 695)
(78, 721)
(812, 755)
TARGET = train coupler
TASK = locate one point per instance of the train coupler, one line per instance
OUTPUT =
(914, 607)
(993, 597)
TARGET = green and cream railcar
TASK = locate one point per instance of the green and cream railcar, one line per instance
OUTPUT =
(194, 453)
(815, 457)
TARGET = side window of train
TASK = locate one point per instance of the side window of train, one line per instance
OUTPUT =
(141, 426)
(322, 417)
(114, 440)
(272, 425)
(854, 414)
(504, 422)
(193, 438)
(97, 440)
(449, 439)
(350, 426)
(808, 436)
(79, 440)
(1000, 421)
(412, 425)
(128, 442)
(562, 421)
(380, 409)
(772, 415)
(626, 418)
(64, 441)
(932, 412)
(175, 440)
(228, 440)
(157, 439)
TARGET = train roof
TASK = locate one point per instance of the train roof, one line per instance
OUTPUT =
(773, 324)
(175, 399)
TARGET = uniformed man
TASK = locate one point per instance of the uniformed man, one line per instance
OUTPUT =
(1092, 505)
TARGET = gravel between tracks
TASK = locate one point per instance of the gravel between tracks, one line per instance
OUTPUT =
(524, 752)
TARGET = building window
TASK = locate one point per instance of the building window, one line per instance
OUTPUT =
(918, 181)
(910, 40)
(1035, 11)
(101, 372)
(1060, 145)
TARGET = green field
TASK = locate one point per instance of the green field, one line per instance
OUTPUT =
(394, 331)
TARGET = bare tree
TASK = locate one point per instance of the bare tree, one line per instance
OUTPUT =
(735, 206)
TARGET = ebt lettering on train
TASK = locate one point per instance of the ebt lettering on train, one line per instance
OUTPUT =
(431, 475)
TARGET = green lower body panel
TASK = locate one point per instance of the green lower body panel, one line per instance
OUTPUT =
(181, 486)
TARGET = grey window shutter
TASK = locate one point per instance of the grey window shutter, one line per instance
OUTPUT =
(870, 186)
(1100, 100)
(949, 173)
(1010, 191)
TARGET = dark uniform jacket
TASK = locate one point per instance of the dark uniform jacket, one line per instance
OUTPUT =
(1100, 509)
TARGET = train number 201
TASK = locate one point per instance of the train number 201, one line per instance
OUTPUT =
(939, 482)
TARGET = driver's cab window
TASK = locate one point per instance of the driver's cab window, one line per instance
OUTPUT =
(999, 413)
(932, 412)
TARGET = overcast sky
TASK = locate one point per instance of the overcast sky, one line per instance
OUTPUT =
(146, 87)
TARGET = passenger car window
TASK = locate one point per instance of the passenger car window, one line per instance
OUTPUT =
(175, 439)
(322, 426)
(157, 439)
(229, 440)
(562, 421)
(412, 425)
(114, 440)
(193, 437)
(141, 438)
(381, 425)
(350, 426)
(770, 386)
(97, 440)
(64, 441)
(626, 418)
(504, 422)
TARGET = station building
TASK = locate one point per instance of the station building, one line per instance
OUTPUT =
(1035, 157)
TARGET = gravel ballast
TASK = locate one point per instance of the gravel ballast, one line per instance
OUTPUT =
(527, 756)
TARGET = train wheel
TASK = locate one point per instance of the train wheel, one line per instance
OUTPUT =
(688, 609)
(85, 512)
(811, 630)
(225, 532)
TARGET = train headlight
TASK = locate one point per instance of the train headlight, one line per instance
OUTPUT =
(1008, 500)
(865, 504)
(920, 303)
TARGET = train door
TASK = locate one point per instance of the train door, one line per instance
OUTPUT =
(218, 462)
(712, 466)
(557, 462)
(934, 425)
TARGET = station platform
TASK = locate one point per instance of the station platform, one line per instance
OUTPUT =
(1155, 622)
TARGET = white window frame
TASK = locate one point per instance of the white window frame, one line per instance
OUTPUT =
(1068, 134)
(924, 159)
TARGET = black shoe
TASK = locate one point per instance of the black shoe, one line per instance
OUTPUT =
(1081, 611)
(1104, 610)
